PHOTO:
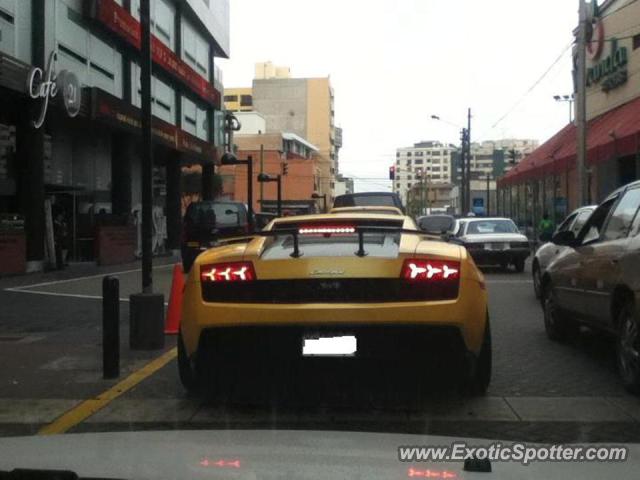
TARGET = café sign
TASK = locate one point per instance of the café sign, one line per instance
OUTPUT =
(47, 85)
(611, 71)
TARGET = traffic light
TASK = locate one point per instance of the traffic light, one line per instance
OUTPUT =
(285, 168)
(392, 172)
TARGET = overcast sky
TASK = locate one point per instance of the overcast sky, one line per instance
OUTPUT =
(394, 63)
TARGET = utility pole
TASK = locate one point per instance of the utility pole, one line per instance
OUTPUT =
(261, 172)
(488, 212)
(581, 110)
(468, 186)
(147, 149)
(463, 188)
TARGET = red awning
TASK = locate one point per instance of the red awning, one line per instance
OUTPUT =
(612, 134)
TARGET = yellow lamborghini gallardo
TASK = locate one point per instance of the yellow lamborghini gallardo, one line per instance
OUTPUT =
(371, 283)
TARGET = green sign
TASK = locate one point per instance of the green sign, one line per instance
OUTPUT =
(611, 71)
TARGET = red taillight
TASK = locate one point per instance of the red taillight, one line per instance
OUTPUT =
(326, 230)
(228, 272)
(422, 269)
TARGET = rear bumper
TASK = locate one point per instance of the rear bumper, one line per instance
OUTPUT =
(466, 314)
(494, 257)
(374, 342)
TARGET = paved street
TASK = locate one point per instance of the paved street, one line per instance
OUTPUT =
(50, 350)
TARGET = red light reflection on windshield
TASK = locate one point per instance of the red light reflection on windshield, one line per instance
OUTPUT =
(412, 472)
(222, 463)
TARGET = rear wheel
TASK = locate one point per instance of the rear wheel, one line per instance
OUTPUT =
(519, 264)
(188, 375)
(479, 368)
(558, 327)
(628, 348)
(537, 279)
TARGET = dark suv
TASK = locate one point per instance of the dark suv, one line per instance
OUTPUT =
(208, 221)
(596, 280)
(368, 199)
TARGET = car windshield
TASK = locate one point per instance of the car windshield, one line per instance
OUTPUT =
(491, 227)
(265, 239)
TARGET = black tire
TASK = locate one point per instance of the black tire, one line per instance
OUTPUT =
(478, 373)
(188, 375)
(628, 348)
(559, 328)
(537, 280)
(519, 264)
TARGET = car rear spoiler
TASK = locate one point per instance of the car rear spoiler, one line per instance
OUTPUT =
(359, 230)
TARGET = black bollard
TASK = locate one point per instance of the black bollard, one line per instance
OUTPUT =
(110, 327)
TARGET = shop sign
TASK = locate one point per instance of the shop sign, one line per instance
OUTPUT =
(113, 110)
(47, 85)
(611, 71)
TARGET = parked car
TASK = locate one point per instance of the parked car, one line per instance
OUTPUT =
(369, 199)
(206, 222)
(493, 241)
(549, 250)
(595, 281)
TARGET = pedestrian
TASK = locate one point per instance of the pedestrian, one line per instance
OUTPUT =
(545, 228)
(61, 239)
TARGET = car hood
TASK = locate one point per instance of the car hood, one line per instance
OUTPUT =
(493, 237)
(250, 454)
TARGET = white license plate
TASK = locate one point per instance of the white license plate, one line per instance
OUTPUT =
(342, 346)
(496, 246)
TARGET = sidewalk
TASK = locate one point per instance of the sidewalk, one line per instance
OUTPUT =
(51, 340)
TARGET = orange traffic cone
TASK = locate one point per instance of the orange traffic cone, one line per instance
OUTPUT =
(172, 322)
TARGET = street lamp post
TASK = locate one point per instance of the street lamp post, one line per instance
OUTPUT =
(465, 161)
(568, 99)
(264, 178)
(317, 196)
(230, 159)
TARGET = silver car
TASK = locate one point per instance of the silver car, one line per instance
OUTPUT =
(493, 241)
(548, 251)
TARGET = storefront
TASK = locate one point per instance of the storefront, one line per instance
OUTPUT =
(544, 182)
(69, 134)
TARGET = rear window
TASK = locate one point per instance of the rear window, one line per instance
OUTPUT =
(225, 213)
(365, 201)
(491, 226)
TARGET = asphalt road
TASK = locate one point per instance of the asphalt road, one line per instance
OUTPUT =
(50, 350)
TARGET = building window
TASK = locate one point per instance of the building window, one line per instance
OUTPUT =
(408, 154)
(419, 154)
(419, 161)
(195, 49)
(246, 100)
(397, 154)
(230, 98)
(162, 20)
(636, 43)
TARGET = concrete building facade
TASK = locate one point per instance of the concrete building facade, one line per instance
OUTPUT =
(77, 147)
(270, 153)
(424, 162)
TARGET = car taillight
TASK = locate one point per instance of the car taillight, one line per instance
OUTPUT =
(422, 269)
(228, 272)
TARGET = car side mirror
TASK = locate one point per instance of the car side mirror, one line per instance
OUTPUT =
(565, 239)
